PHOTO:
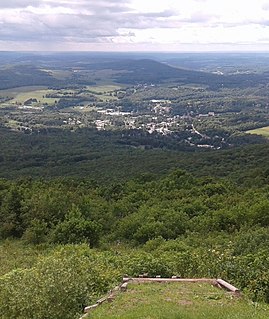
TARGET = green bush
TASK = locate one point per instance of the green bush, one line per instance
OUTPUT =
(76, 229)
(36, 233)
(58, 287)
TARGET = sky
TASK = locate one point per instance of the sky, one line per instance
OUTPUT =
(134, 25)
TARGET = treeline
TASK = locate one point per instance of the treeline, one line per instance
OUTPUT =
(115, 156)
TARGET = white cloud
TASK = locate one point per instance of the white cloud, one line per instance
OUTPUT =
(147, 24)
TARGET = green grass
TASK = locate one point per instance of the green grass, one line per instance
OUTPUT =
(264, 131)
(19, 90)
(21, 94)
(37, 94)
(179, 301)
(104, 88)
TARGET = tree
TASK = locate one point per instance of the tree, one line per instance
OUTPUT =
(11, 214)
(76, 229)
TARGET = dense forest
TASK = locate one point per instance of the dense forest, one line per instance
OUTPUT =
(108, 157)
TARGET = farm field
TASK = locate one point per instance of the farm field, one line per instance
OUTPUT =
(104, 92)
(264, 131)
(178, 300)
(104, 88)
(13, 92)
(22, 94)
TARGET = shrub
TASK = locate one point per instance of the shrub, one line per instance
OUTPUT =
(76, 229)
(59, 286)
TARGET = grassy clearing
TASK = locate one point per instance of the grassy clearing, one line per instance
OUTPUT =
(19, 90)
(104, 88)
(21, 94)
(264, 131)
(179, 301)
(36, 94)
(104, 91)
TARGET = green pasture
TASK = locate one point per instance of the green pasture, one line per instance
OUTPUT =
(104, 88)
(14, 92)
(264, 131)
(103, 91)
(37, 94)
(21, 94)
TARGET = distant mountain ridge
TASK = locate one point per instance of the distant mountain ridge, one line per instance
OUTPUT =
(151, 71)
(148, 70)
(27, 69)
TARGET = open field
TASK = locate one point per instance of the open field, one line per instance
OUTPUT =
(104, 88)
(19, 90)
(178, 301)
(104, 91)
(21, 94)
(36, 94)
(264, 131)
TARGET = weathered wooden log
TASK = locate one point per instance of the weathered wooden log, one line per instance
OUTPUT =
(110, 298)
(89, 308)
(206, 280)
(100, 301)
(227, 285)
(123, 287)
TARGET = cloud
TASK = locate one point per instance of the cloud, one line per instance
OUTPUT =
(16, 3)
(79, 21)
(51, 22)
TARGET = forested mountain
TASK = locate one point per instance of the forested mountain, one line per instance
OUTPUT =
(128, 69)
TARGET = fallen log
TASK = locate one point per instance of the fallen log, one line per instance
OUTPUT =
(227, 285)
(212, 281)
(89, 308)
(123, 287)
(100, 301)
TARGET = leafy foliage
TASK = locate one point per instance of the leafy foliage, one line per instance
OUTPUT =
(59, 285)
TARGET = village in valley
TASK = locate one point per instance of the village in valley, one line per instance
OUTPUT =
(106, 108)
